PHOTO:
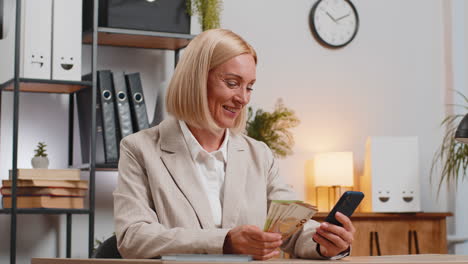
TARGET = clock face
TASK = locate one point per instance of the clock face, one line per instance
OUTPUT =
(334, 22)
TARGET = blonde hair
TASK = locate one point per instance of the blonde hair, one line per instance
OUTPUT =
(186, 97)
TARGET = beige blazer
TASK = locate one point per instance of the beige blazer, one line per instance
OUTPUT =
(160, 206)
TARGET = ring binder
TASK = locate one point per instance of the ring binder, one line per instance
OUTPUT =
(108, 116)
(137, 102)
(66, 40)
(125, 126)
(106, 139)
(37, 39)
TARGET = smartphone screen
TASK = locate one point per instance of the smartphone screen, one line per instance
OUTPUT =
(348, 202)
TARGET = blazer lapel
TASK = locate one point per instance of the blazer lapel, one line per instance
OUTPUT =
(176, 157)
(234, 181)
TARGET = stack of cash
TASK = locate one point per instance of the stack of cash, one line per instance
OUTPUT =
(288, 216)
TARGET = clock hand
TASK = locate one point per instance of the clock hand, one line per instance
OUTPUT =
(338, 19)
(330, 16)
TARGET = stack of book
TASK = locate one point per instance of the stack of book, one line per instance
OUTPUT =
(46, 188)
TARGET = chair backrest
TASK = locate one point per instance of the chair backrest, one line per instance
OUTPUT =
(108, 249)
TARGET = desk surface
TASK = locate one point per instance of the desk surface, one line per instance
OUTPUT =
(321, 215)
(420, 259)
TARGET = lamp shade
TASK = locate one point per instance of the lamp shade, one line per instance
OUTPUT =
(462, 131)
(333, 169)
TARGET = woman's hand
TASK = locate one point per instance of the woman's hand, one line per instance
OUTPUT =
(250, 240)
(335, 239)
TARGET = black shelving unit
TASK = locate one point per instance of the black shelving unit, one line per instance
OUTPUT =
(17, 85)
(100, 36)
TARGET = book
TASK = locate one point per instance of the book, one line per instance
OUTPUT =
(48, 183)
(207, 258)
(53, 191)
(45, 201)
(46, 174)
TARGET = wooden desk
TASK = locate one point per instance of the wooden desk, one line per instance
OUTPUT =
(398, 234)
(402, 259)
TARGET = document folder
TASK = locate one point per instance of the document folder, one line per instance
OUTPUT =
(83, 102)
(66, 39)
(36, 20)
(159, 108)
(124, 119)
(106, 139)
(109, 128)
(137, 102)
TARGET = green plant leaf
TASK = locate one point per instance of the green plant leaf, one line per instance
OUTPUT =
(208, 10)
(273, 128)
(41, 150)
(452, 156)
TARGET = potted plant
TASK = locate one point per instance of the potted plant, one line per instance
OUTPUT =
(40, 160)
(208, 11)
(273, 128)
(451, 154)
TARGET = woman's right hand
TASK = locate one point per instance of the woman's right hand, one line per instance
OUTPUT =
(250, 240)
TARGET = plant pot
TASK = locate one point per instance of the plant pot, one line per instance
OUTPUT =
(40, 162)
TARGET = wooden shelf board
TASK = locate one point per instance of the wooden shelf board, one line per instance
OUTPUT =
(45, 211)
(139, 39)
(47, 86)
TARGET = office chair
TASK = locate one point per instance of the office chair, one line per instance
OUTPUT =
(108, 249)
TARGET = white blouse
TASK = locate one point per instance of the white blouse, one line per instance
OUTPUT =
(211, 170)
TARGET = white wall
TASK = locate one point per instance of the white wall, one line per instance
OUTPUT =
(391, 80)
(460, 82)
(388, 82)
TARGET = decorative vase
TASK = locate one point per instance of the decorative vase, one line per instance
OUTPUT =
(40, 162)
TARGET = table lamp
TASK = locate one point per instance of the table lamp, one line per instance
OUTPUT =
(332, 174)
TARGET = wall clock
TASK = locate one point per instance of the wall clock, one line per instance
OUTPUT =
(334, 23)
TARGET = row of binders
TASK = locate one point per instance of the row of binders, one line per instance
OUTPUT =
(46, 188)
(120, 111)
(51, 39)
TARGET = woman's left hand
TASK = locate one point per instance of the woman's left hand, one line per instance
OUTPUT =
(335, 239)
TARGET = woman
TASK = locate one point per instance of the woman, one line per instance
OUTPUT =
(195, 183)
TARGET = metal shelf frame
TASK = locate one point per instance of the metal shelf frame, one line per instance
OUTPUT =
(141, 39)
(17, 85)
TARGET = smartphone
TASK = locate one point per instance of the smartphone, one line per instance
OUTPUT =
(348, 202)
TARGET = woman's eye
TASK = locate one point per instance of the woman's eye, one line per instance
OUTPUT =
(250, 87)
(232, 83)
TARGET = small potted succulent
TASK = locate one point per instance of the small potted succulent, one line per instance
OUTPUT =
(40, 160)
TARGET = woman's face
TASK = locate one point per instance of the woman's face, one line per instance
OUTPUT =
(229, 88)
